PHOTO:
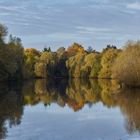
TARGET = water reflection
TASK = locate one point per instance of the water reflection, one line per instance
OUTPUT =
(11, 107)
(73, 93)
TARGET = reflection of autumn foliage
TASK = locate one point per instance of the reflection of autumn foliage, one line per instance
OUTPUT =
(78, 92)
(81, 92)
(129, 103)
(73, 93)
(109, 88)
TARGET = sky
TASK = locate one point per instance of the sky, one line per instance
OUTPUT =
(59, 23)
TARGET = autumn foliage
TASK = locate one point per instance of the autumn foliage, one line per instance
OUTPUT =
(127, 66)
(17, 63)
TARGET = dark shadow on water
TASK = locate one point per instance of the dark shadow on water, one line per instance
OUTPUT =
(11, 106)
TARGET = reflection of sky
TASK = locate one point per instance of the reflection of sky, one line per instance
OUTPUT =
(57, 123)
(61, 22)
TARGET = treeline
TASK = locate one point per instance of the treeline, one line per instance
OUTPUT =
(73, 62)
(76, 62)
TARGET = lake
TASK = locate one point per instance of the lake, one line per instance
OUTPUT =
(69, 110)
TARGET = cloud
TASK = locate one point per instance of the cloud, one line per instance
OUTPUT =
(5, 14)
(12, 8)
(135, 5)
(83, 29)
(54, 36)
(60, 22)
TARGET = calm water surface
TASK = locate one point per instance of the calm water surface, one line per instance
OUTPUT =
(69, 110)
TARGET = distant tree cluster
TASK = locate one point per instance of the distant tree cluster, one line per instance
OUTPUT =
(92, 64)
(73, 62)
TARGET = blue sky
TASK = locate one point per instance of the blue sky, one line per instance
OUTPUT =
(59, 23)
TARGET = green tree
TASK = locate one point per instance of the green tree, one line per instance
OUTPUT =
(11, 57)
(89, 49)
(3, 31)
(17, 51)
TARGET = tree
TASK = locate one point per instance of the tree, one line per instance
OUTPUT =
(74, 49)
(31, 56)
(3, 31)
(96, 67)
(107, 60)
(45, 67)
(89, 49)
(11, 59)
(11, 56)
(74, 65)
(127, 66)
(17, 51)
(87, 65)
(60, 52)
(61, 69)
(47, 49)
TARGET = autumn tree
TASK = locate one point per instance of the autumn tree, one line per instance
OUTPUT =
(74, 65)
(74, 49)
(96, 67)
(45, 67)
(31, 56)
(108, 58)
(127, 66)
(61, 69)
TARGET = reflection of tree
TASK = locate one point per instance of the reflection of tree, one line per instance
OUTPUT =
(45, 91)
(74, 93)
(129, 103)
(79, 92)
(108, 88)
(11, 108)
(29, 94)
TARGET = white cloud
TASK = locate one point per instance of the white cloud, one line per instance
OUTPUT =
(88, 30)
(135, 5)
